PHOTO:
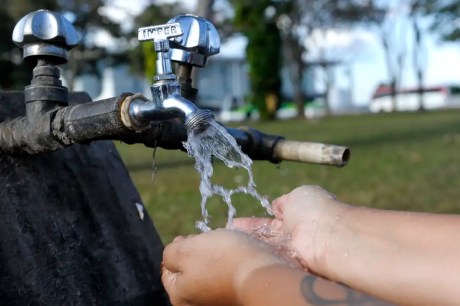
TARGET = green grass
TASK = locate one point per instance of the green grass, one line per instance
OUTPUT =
(404, 161)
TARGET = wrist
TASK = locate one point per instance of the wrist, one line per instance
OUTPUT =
(337, 248)
(320, 234)
(271, 285)
(249, 267)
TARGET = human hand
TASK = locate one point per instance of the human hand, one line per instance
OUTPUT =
(303, 219)
(210, 268)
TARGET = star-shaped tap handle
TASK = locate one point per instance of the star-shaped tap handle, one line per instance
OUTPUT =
(45, 34)
(200, 40)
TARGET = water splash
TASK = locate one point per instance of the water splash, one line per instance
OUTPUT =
(216, 141)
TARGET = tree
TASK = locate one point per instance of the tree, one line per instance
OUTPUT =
(288, 21)
(387, 18)
(445, 18)
(319, 17)
(88, 18)
(394, 43)
(263, 52)
(417, 10)
(85, 15)
(301, 21)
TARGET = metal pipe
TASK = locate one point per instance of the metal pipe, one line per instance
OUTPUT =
(104, 119)
(87, 122)
(167, 104)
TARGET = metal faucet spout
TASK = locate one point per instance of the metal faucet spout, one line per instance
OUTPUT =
(195, 119)
(184, 106)
(142, 111)
(167, 101)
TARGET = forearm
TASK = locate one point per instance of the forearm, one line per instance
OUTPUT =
(409, 258)
(280, 285)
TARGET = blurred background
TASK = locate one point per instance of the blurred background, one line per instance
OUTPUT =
(379, 76)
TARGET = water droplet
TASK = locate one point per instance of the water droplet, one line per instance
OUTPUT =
(202, 227)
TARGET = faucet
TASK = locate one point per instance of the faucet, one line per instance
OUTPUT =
(167, 103)
(52, 121)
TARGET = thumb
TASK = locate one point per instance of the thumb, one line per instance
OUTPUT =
(169, 280)
(278, 206)
(173, 255)
(251, 224)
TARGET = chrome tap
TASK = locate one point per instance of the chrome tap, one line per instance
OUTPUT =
(199, 41)
(50, 123)
(167, 101)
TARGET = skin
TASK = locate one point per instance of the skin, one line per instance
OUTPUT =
(228, 267)
(408, 258)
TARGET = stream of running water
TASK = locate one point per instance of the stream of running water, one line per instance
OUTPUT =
(216, 141)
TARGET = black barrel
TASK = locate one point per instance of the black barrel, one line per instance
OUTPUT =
(71, 232)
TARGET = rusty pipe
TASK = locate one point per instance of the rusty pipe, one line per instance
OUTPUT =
(84, 123)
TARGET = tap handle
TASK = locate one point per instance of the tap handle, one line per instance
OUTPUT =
(159, 32)
(160, 35)
(45, 33)
(199, 41)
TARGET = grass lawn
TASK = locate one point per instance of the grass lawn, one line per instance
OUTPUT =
(403, 161)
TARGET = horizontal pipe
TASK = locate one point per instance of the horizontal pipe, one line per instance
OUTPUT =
(311, 152)
(84, 123)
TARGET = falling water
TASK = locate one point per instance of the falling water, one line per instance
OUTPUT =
(216, 141)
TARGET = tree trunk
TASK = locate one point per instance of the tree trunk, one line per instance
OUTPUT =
(203, 9)
(295, 63)
(327, 91)
(394, 95)
(71, 232)
(390, 69)
(418, 64)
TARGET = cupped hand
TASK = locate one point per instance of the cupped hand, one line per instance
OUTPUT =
(210, 268)
(303, 221)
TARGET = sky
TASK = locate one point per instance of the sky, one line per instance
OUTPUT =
(359, 49)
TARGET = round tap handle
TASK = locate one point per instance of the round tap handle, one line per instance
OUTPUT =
(199, 41)
(45, 33)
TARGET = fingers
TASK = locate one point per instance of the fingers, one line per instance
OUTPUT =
(178, 238)
(173, 254)
(172, 284)
(168, 279)
(251, 224)
(264, 229)
(313, 192)
(304, 194)
(171, 257)
(278, 206)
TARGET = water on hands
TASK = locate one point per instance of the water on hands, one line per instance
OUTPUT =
(216, 141)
